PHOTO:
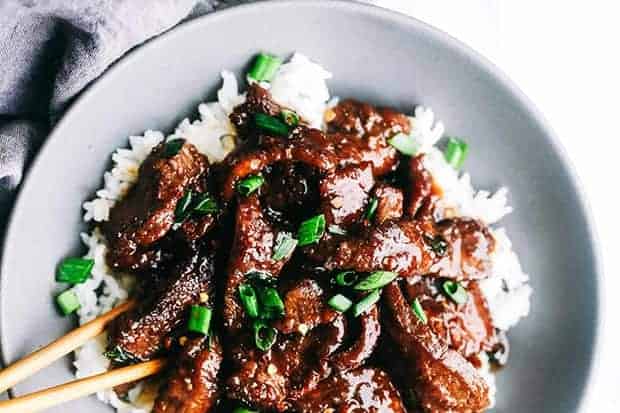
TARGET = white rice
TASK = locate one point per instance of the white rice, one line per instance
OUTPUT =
(300, 85)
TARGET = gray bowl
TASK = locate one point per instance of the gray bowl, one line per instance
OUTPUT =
(377, 55)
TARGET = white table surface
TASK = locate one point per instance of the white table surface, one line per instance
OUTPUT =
(565, 56)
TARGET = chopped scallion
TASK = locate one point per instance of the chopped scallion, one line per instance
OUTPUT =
(285, 245)
(404, 144)
(244, 410)
(272, 304)
(366, 303)
(74, 270)
(68, 302)
(289, 117)
(271, 124)
(455, 291)
(247, 294)
(340, 303)
(173, 147)
(264, 335)
(346, 278)
(265, 67)
(336, 230)
(419, 311)
(250, 184)
(371, 210)
(375, 280)
(199, 319)
(205, 205)
(182, 209)
(311, 230)
(456, 152)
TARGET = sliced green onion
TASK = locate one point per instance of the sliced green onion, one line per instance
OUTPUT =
(250, 184)
(372, 209)
(375, 280)
(419, 311)
(456, 152)
(336, 230)
(366, 303)
(264, 335)
(455, 291)
(74, 270)
(182, 209)
(247, 294)
(272, 304)
(285, 245)
(199, 319)
(271, 124)
(346, 278)
(404, 144)
(244, 410)
(119, 355)
(68, 302)
(438, 244)
(173, 147)
(265, 67)
(311, 230)
(206, 205)
(262, 278)
(289, 117)
(340, 303)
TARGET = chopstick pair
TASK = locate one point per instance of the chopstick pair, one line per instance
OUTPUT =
(43, 357)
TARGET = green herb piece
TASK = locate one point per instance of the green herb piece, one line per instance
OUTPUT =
(248, 297)
(311, 230)
(68, 302)
(419, 311)
(199, 319)
(455, 291)
(404, 144)
(265, 67)
(340, 303)
(271, 124)
(74, 270)
(285, 245)
(456, 152)
(366, 303)
(250, 184)
(376, 280)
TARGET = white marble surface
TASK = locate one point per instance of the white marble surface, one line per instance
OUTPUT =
(564, 56)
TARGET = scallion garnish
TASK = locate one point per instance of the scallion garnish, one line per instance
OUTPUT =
(205, 205)
(375, 280)
(74, 270)
(346, 278)
(244, 410)
(199, 319)
(264, 335)
(68, 302)
(173, 147)
(366, 303)
(119, 355)
(247, 294)
(438, 244)
(456, 152)
(404, 144)
(182, 209)
(285, 245)
(271, 304)
(455, 291)
(289, 117)
(250, 184)
(419, 311)
(271, 124)
(371, 210)
(340, 303)
(311, 230)
(265, 67)
(336, 230)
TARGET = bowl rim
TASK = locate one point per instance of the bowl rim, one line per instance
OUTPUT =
(455, 45)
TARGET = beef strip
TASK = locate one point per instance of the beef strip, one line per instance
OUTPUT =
(443, 380)
(139, 335)
(366, 342)
(344, 194)
(252, 250)
(146, 214)
(305, 307)
(466, 328)
(390, 203)
(343, 146)
(193, 385)
(456, 248)
(422, 193)
(365, 390)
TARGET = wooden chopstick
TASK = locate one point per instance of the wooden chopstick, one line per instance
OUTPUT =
(45, 356)
(53, 396)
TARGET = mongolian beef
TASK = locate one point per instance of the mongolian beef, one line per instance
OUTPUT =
(315, 269)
